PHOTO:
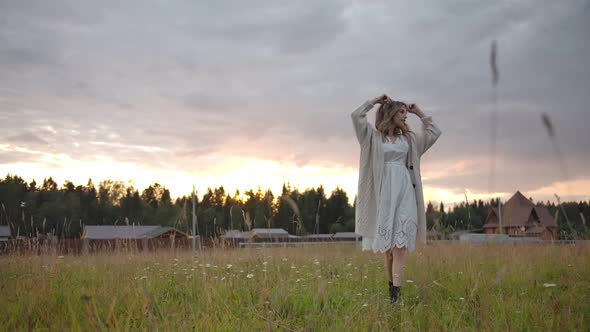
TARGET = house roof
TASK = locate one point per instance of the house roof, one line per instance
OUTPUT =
(268, 232)
(517, 210)
(318, 236)
(235, 234)
(5, 231)
(545, 216)
(273, 231)
(163, 229)
(109, 232)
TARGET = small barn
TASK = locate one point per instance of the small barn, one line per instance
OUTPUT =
(269, 235)
(318, 237)
(234, 237)
(111, 232)
(140, 237)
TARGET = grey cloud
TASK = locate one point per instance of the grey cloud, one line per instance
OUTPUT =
(12, 156)
(26, 137)
(287, 28)
(217, 101)
(191, 76)
(70, 12)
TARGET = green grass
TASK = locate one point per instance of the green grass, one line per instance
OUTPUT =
(332, 287)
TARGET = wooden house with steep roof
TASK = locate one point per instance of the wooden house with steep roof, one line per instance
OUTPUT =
(520, 217)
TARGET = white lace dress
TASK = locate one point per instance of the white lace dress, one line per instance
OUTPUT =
(397, 212)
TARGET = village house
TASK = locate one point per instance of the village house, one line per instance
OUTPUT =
(346, 236)
(269, 235)
(141, 237)
(110, 232)
(521, 218)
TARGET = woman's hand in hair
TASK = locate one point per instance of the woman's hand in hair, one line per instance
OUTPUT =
(380, 100)
(414, 109)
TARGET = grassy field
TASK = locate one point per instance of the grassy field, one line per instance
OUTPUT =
(328, 287)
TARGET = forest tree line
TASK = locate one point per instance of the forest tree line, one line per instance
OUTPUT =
(32, 209)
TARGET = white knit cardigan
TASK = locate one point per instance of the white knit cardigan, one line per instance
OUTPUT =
(371, 170)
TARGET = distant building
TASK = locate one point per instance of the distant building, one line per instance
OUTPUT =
(318, 237)
(346, 236)
(269, 235)
(110, 232)
(5, 233)
(478, 238)
(520, 217)
(456, 234)
(234, 237)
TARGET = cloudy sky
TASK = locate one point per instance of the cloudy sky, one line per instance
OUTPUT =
(248, 93)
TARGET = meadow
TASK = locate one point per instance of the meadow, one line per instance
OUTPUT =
(332, 287)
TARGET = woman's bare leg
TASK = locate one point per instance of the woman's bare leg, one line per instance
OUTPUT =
(389, 264)
(398, 265)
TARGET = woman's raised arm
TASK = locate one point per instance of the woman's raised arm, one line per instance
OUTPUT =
(359, 117)
(430, 131)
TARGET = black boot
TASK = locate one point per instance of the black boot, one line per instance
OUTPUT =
(393, 292)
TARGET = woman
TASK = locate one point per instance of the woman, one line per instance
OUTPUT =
(390, 212)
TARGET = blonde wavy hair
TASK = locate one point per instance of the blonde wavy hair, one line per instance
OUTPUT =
(384, 119)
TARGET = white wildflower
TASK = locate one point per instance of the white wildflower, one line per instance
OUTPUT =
(365, 305)
(228, 266)
(546, 285)
(410, 281)
(250, 276)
